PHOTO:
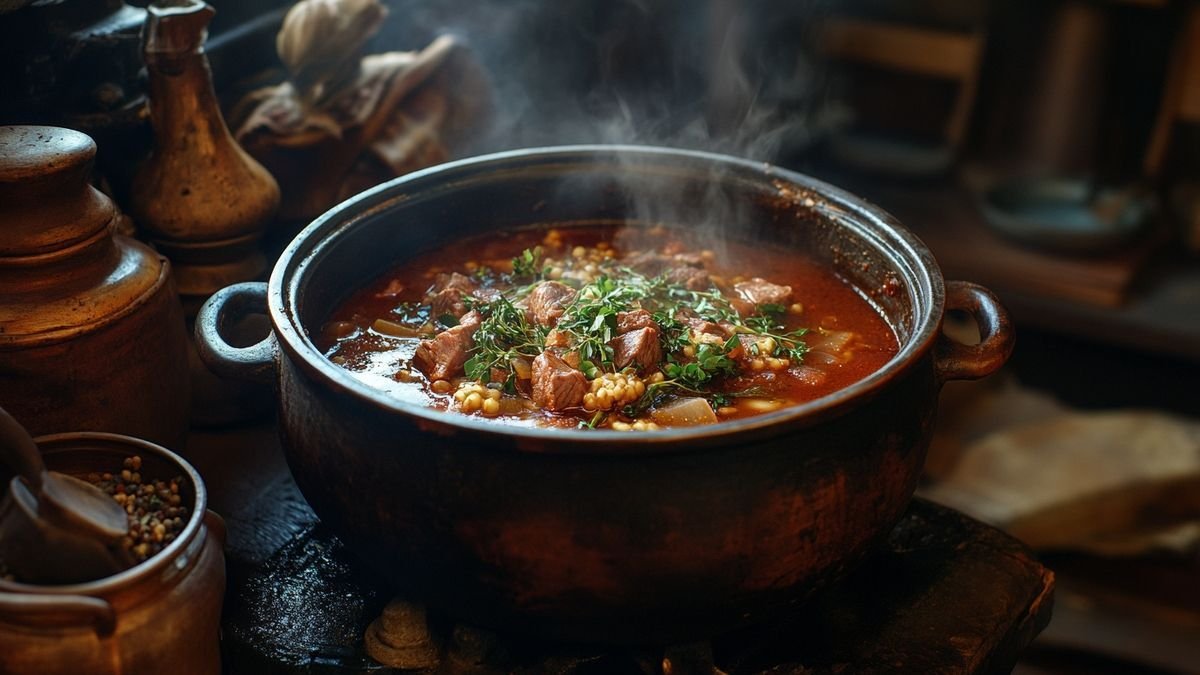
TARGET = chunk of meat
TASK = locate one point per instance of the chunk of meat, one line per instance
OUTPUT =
(453, 280)
(692, 278)
(486, 294)
(760, 292)
(633, 320)
(653, 263)
(557, 338)
(547, 301)
(638, 347)
(446, 297)
(650, 263)
(448, 301)
(443, 355)
(706, 331)
(556, 385)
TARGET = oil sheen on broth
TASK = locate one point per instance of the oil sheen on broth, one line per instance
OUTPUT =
(608, 328)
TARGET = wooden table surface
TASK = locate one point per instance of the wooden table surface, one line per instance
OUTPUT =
(945, 594)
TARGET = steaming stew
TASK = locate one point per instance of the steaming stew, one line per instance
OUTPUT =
(601, 327)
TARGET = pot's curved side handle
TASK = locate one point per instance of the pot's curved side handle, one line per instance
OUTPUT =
(256, 362)
(54, 611)
(957, 361)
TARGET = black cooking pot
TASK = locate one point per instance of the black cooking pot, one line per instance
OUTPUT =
(601, 535)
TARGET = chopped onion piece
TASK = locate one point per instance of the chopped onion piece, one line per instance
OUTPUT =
(809, 375)
(522, 368)
(821, 359)
(829, 341)
(394, 329)
(684, 412)
(761, 404)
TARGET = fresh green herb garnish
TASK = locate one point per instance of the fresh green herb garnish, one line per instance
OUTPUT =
(502, 336)
(589, 323)
(528, 264)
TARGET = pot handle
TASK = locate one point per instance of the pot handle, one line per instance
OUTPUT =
(256, 362)
(957, 361)
(58, 611)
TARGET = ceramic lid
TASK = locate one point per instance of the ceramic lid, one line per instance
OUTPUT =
(46, 201)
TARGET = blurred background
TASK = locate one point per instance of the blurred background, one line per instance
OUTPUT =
(1049, 150)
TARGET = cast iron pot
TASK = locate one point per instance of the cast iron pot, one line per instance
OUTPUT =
(603, 535)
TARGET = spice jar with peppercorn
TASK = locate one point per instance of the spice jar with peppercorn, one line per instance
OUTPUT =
(160, 615)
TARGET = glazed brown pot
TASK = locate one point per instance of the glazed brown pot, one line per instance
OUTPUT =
(160, 616)
(602, 535)
(92, 335)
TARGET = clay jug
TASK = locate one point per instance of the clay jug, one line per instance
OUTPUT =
(92, 335)
(199, 197)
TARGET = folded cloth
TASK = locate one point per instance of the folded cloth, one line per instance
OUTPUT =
(1113, 483)
(337, 127)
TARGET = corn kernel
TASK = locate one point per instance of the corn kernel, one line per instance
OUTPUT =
(440, 387)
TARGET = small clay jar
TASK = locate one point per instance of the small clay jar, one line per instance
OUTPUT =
(92, 334)
(160, 616)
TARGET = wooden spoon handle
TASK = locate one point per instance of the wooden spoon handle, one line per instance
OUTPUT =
(19, 452)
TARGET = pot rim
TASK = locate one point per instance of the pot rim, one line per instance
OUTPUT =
(872, 223)
(112, 584)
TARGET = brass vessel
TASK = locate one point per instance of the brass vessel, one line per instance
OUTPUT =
(199, 197)
(92, 334)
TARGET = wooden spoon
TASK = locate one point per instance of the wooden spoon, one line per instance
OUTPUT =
(37, 551)
(65, 501)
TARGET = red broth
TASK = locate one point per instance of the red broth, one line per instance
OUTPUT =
(714, 331)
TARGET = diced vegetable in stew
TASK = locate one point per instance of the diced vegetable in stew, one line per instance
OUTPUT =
(608, 328)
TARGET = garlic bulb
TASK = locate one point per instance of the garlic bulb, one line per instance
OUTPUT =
(323, 39)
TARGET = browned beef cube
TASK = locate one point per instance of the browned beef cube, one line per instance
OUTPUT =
(556, 385)
(702, 328)
(453, 280)
(637, 347)
(447, 301)
(548, 300)
(689, 258)
(486, 294)
(557, 338)
(692, 278)
(446, 296)
(760, 292)
(653, 263)
(650, 263)
(443, 355)
(638, 318)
